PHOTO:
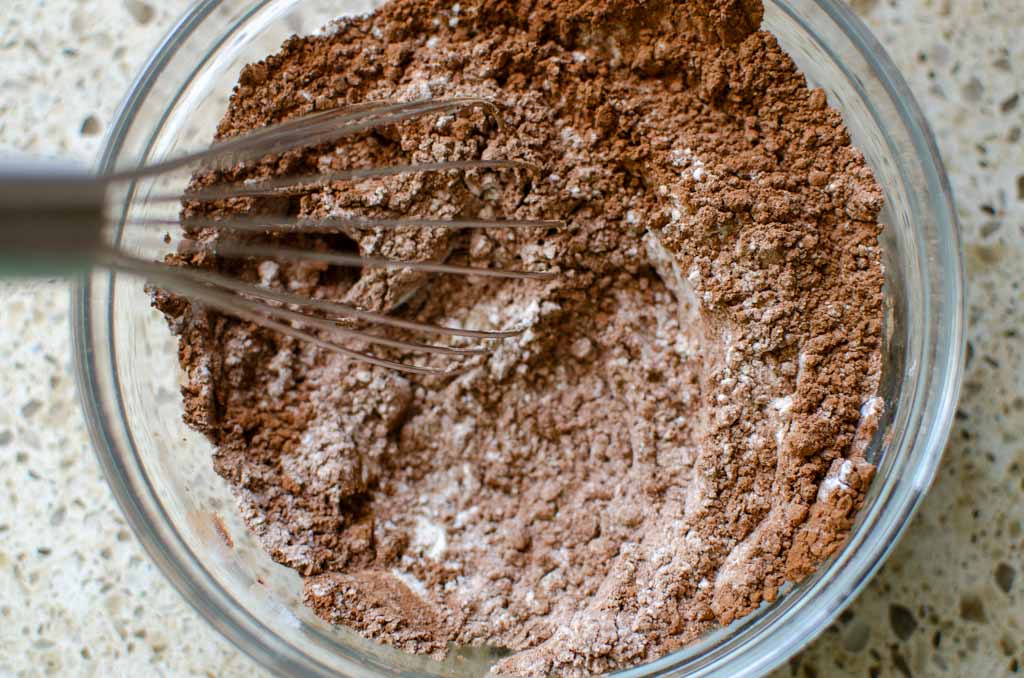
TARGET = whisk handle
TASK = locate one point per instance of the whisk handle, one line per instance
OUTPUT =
(51, 218)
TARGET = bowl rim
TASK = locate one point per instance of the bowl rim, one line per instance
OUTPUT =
(165, 546)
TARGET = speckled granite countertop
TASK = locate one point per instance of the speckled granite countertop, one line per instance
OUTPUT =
(78, 596)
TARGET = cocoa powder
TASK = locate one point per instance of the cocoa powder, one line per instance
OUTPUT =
(681, 428)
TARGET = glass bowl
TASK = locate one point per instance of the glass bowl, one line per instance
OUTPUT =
(183, 513)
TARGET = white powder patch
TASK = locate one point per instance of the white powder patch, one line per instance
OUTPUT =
(571, 138)
(462, 431)
(414, 584)
(871, 407)
(780, 435)
(268, 271)
(844, 472)
(463, 517)
(690, 164)
(833, 482)
(330, 29)
(430, 537)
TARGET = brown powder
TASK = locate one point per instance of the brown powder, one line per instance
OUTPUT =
(680, 430)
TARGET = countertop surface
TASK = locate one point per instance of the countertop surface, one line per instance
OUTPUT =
(78, 595)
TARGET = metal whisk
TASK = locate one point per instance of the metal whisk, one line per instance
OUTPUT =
(51, 222)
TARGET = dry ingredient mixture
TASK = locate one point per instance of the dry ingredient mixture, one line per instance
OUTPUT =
(681, 428)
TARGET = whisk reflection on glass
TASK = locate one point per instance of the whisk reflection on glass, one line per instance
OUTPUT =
(56, 221)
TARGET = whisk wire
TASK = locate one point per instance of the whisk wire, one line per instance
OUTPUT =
(362, 261)
(322, 323)
(267, 224)
(332, 309)
(309, 182)
(277, 319)
(309, 130)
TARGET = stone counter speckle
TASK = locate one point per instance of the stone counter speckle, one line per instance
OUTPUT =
(78, 596)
